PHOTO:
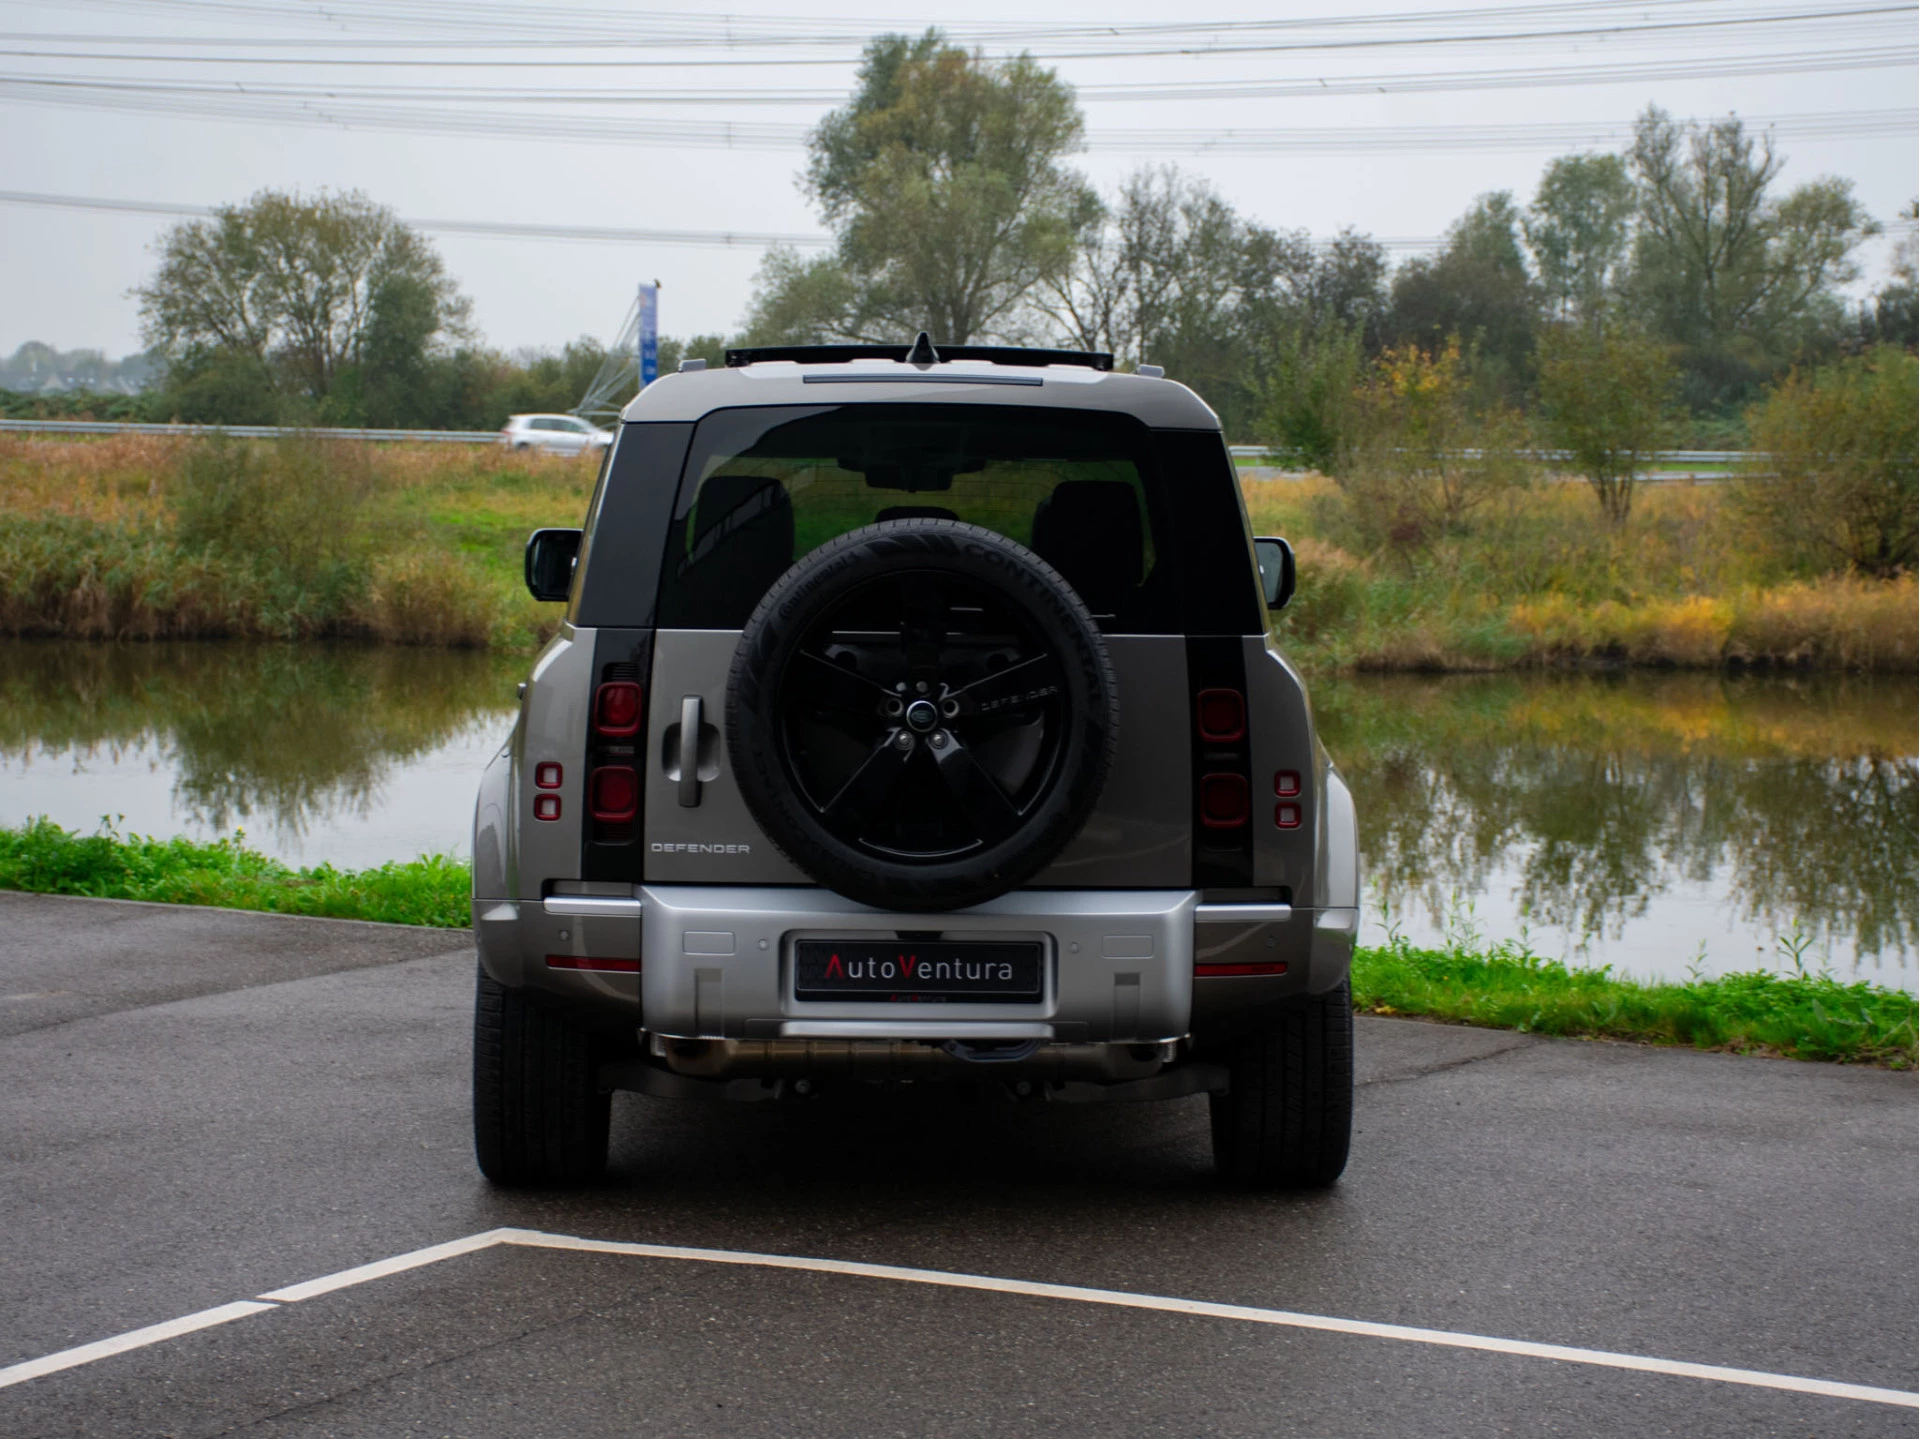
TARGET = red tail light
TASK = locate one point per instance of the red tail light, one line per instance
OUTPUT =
(546, 806)
(1222, 716)
(1227, 971)
(1286, 816)
(1286, 783)
(614, 794)
(547, 775)
(593, 962)
(616, 709)
(1223, 800)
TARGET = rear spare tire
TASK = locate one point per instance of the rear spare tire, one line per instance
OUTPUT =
(921, 714)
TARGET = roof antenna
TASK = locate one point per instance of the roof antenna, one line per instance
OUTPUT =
(923, 352)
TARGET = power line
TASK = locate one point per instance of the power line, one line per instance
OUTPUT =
(559, 26)
(512, 230)
(1665, 29)
(106, 90)
(752, 136)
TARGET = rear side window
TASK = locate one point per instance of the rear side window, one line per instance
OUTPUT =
(1084, 490)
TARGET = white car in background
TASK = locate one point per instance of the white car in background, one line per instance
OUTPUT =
(555, 434)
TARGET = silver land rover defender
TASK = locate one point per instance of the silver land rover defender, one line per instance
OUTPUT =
(914, 720)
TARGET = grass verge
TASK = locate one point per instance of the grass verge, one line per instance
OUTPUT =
(42, 858)
(1796, 1016)
(1503, 987)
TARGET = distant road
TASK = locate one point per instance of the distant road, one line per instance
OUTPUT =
(1669, 464)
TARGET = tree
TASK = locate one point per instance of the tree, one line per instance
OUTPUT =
(1607, 398)
(1172, 274)
(1166, 275)
(1838, 487)
(943, 183)
(1310, 379)
(1892, 317)
(1476, 288)
(293, 291)
(1736, 277)
(1578, 229)
(711, 348)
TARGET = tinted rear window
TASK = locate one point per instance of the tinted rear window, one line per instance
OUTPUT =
(1084, 490)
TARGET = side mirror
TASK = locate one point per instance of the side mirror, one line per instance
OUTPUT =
(550, 558)
(1276, 570)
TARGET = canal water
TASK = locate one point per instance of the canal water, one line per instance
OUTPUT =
(1662, 824)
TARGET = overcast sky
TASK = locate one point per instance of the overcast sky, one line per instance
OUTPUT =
(1842, 87)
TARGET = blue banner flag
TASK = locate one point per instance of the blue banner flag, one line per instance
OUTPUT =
(649, 334)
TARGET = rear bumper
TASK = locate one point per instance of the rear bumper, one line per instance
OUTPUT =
(716, 962)
(1117, 965)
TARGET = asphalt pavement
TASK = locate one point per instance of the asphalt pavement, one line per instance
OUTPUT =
(199, 1107)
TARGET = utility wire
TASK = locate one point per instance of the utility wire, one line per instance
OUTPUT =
(729, 239)
(1665, 29)
(552, 25)
(744, 135)
(93, 89)
(605, 234)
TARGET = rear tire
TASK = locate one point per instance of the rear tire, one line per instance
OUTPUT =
(540, 1117)
(1287, 1118)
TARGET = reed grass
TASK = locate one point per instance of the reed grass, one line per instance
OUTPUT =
(1541, 580)
(157, 537)
(154, 537)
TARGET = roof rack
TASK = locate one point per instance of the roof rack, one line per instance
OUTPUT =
(921, 351)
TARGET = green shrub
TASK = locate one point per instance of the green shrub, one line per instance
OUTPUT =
(1838, 488)
(1425, 457)
(1608, 398)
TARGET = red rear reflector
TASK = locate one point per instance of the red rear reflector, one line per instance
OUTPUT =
(546, 806)
(1223, 800)
(593, 962)
(614, 794)
(1286, 782)
(547, 775)
(1222, 716)
(616, 709)
(1286, 816)
(1228, 971)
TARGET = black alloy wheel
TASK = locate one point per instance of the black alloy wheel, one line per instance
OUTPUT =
(921, 714)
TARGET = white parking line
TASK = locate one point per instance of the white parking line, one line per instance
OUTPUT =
(132, 1339)
(1118, 1298)
(381, 1268)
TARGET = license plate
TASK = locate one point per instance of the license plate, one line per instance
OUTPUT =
(905, 972)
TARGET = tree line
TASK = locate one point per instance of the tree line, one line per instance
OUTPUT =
(1681, 266)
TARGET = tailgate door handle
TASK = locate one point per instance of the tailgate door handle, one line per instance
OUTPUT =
(690, 752)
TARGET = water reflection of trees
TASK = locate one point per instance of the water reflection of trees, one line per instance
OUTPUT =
(288, 734)
(1799, 799)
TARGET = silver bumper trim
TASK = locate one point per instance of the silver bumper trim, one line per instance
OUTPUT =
(1242, 913)
(592, 906)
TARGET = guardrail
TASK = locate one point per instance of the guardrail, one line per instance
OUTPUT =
(247, 432)
(1663, 460)
(1660, 457)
